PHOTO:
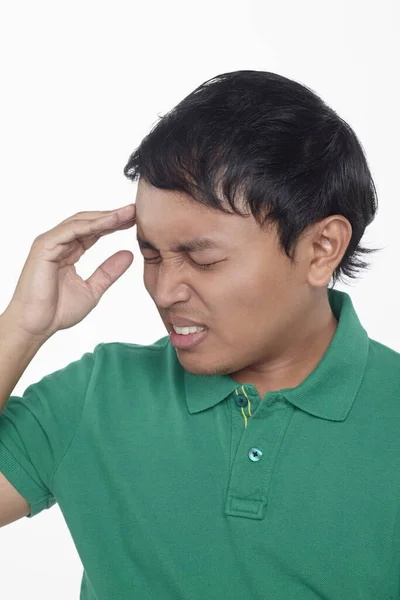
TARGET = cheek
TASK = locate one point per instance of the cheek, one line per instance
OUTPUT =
(148, 280)
(233, 305)
(231, 295)
(244, 299)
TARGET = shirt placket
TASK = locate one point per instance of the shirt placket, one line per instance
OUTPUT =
(258, 429)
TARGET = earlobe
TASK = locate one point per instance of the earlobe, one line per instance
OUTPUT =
(320, 276)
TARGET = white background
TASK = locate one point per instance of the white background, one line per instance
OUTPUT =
(82, 82)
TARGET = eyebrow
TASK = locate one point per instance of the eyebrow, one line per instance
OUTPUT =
(191, 245)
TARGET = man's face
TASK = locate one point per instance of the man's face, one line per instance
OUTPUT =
(250, 300)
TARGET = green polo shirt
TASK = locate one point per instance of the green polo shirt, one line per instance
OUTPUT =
(188, 487)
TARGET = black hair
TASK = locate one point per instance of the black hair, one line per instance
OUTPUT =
(273, 140)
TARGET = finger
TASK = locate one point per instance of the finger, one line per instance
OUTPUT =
(90, 240)
(126, 225)
(95, 214)
(108, 273)
(79, 229)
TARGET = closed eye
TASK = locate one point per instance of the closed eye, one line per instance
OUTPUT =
(201, 266)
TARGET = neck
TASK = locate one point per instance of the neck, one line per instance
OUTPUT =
(298, 358)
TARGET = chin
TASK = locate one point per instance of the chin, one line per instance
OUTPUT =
(196, 367)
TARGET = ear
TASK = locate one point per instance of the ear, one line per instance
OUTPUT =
(328, 245)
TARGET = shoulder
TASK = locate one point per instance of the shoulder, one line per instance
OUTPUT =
(382, 354)
(383, 374)
(133, 357)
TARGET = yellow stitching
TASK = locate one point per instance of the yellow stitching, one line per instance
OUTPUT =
(243, 413)
(245, 418)
(248, 400)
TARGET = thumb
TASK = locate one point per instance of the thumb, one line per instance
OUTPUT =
(108, 273)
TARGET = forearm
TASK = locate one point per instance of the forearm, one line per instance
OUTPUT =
(17, 350)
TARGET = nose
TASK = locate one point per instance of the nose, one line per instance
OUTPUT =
(169, 286)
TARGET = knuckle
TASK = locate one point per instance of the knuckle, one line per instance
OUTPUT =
(74, 224)
(107, 276)
(38, 239)
(73, 221)
(76, 217)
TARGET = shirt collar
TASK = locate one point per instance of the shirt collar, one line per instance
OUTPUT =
(327, 392)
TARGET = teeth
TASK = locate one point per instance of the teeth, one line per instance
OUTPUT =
(187, 330)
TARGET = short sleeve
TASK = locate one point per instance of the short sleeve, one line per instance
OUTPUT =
(37, 428)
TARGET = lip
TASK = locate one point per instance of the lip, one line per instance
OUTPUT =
(185, 342)
(185, 322)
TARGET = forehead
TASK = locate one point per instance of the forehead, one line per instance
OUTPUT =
(152, 202)
(167, 219)
(165, 212)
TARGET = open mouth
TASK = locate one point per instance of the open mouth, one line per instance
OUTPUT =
(187, 340)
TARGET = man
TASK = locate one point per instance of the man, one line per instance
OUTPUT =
(253, 452)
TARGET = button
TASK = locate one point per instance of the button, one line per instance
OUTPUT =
(255, 454)
(241, 400)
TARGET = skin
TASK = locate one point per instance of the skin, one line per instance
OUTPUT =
(270, 322)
